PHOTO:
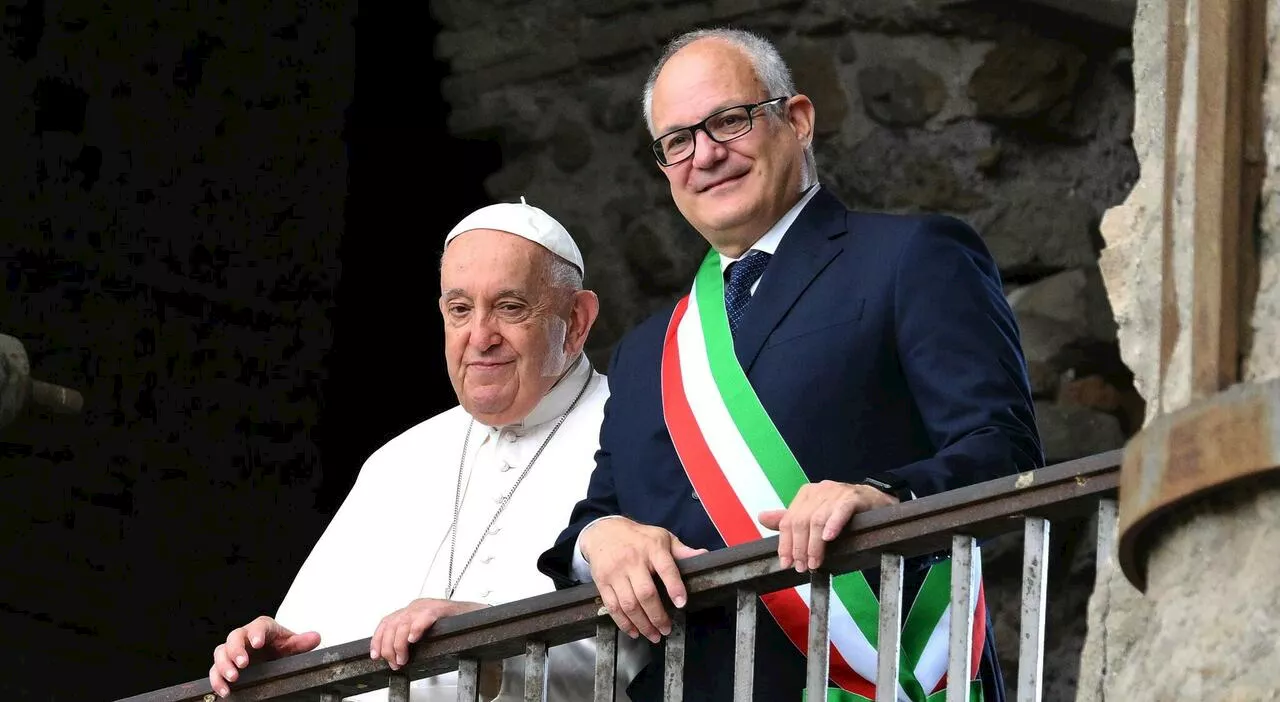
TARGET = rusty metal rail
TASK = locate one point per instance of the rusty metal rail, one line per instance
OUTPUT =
(939, 523)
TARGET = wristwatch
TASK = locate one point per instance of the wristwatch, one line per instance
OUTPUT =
(889, 484)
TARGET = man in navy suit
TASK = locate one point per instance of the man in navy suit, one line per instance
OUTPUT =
(880, 346)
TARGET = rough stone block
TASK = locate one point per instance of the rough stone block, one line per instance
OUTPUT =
(1075, 297)
(1038, 231)
(901, 93)
(1068, 431)
(1024, 76)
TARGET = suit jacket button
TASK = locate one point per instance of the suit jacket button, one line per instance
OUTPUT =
(696, 498)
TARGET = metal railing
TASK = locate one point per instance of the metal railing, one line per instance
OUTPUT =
(881, 538)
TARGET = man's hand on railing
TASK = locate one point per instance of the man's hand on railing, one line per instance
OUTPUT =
(624, 556)
(404, 626)
(263, 639)
(818, 514)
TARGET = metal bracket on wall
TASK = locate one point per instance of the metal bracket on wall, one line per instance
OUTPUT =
(19, 391)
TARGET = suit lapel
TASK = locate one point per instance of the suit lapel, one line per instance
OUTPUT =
(809, 245)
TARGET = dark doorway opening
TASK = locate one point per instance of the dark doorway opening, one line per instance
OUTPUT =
(409, 182)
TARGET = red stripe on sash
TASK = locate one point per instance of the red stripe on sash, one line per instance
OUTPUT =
(726, 512)
(979, 637)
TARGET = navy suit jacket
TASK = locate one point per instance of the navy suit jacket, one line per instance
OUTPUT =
(876, 343)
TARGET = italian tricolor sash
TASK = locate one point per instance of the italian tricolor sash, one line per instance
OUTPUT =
(740, 466)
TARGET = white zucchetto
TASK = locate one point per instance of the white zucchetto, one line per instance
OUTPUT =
(523, 220)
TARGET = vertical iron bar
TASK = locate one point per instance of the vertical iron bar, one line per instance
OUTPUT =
(468, 679)
(1217, 151)
(398, 688)
(960, 667)
(535, 670)
(606, 659)
(1035, 570)
(819, 643)
(673, 682)
(744, 658)
(889, 642)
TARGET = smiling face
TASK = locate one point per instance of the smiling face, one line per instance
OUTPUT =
(732, 192)
(510, 333)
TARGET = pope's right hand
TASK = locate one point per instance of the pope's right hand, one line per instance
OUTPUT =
(262, 639)
(624, 557)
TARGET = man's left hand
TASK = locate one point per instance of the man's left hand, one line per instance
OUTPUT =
(818, 514)
(405, 626)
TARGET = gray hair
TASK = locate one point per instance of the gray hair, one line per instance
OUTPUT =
(562, 274)
(770, 69)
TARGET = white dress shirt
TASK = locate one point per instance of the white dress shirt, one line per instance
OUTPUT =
(768, 243)
(389, 543)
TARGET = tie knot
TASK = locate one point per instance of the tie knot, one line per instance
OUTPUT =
(744, 272)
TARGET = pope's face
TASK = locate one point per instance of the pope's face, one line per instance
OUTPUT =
(505, 325)
(731, 192)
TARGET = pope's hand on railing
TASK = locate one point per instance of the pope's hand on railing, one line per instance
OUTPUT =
(818, 514)
(404, 626)
(262, 639)
(624, 556)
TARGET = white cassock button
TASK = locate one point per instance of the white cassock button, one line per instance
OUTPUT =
(486, 593)
(497, 499)
(494, 530)
(487, 559)
(511, 436)
(506, 467)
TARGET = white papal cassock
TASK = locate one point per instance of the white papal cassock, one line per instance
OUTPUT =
(389, 543)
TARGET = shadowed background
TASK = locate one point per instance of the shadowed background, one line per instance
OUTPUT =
(221, 223)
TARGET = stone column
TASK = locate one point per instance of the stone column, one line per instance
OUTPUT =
(1186, 608)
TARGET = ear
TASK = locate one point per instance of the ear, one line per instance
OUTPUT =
(582, 316)
(800, 115)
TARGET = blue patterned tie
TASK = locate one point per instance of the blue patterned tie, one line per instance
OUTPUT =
(737, 293)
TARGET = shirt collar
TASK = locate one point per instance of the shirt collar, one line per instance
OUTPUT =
(769, 242)
(557, 400)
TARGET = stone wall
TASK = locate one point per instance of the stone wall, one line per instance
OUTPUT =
(173, 183)
(1017, 121)
(1132, 260)
(1208, 563)
(1011, 116)
(1262, 361)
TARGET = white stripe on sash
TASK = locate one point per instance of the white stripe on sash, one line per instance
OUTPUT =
(933, 659)
(748, 480)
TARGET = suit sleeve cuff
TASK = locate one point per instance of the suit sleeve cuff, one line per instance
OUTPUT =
(580, 569)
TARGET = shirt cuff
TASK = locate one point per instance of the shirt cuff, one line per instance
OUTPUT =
(581, 570)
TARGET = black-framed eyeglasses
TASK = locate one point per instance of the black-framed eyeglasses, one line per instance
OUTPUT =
(726, 125)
